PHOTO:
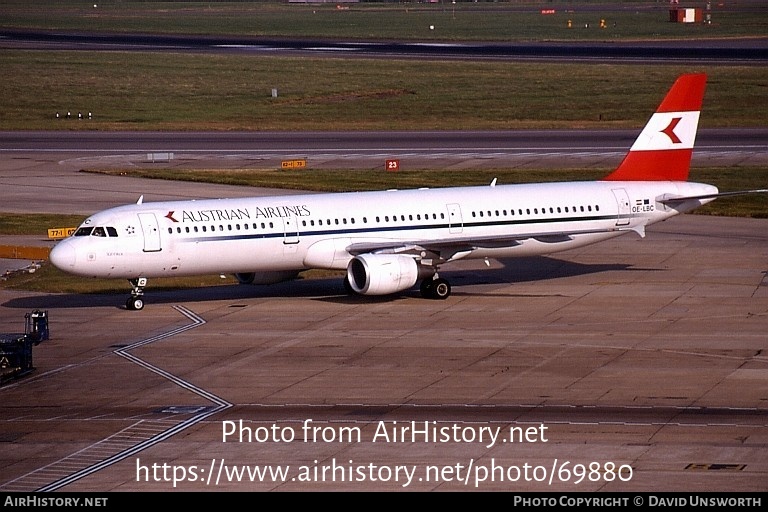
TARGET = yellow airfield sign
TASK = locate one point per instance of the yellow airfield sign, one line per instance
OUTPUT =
(294, 164)
(58, 233)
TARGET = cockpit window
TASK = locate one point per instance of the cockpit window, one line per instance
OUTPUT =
(97, 231)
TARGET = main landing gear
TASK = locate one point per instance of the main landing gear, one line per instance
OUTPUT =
(136, 301)
(435, 288)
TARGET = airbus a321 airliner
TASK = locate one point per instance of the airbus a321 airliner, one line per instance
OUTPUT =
(389, 240)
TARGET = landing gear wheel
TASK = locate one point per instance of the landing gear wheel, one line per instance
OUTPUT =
(135, 304)
(441, 289)
(426, 288)
(437, 288)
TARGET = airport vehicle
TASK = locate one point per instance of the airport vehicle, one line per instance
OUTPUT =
(16, 349)
(389, 240)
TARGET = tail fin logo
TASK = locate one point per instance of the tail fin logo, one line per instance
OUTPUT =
(669, 131)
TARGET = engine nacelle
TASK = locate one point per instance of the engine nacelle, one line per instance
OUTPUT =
(382, 274)
(266, 277)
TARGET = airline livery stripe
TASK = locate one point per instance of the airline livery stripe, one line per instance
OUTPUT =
(671, 130)
(384, 229)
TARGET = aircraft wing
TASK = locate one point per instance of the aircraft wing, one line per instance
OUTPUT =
(457, 247)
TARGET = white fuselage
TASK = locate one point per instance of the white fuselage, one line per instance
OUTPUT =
(298, 232)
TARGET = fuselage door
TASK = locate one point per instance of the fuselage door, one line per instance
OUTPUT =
(291, 230)
(455, 222)
(622, 199)
(151, 232)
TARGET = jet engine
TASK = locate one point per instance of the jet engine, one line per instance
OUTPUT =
(382, 274)
(266, 277)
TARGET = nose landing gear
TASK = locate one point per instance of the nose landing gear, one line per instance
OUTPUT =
(136, 301)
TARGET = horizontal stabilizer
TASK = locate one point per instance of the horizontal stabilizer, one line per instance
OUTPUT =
(681, 199)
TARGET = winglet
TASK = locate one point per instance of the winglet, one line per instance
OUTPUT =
(662, 151)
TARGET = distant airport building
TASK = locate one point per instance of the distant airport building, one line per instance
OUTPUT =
(682, 15)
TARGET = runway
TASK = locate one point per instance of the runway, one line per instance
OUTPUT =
(747, 51)
(632, 365)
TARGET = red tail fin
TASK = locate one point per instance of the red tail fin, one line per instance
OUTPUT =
(662, 151)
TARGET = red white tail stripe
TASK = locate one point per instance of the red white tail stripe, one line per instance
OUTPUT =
(668, 130)
(663, 150)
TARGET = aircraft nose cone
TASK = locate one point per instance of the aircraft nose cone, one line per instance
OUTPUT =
(62, 256)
